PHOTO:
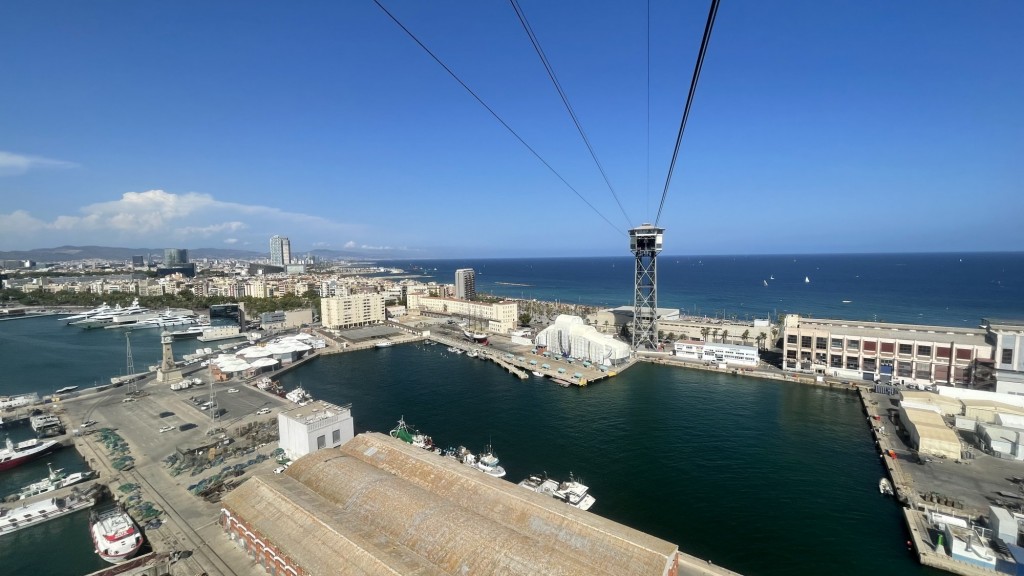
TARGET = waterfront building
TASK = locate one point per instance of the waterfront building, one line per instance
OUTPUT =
(283, 320)
(908, 353)
(316, 426)
(929, 433)
(1007, 340)
(500, 317)
(465, 284)
(371, 489)
(613, 320)
(571, 336)
(727, 354)
(175, 257)
(353, 310)
(280, 251)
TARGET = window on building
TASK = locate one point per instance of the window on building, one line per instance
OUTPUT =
(870, 346)
(906, 348)
(791, 354)
(1007, 356)
(820, 358)
(837, 342)
(791, 339)
(805, 341)
(942, 352)
(888, 347)
(852, 363)
(963, 353)
(836, 361)
(853, 345)
(821, 343)
(321, 442)
(870, 365)
(336, 436)
(924, 351)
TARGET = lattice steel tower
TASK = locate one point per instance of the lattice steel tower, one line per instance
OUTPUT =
(645, 242)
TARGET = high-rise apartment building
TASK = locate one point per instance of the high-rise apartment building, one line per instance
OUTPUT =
(465, 284)
(175, 257)
(280, 251)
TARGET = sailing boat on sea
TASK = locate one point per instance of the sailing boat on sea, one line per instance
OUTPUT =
(807, 280)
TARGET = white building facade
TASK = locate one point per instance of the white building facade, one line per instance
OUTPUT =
(500, 317)
(353, 310)
(571, 336)
(728, 354)
(280, 251)
(315, 426)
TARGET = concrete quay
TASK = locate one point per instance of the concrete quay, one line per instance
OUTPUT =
(190, 524)
(915, 510)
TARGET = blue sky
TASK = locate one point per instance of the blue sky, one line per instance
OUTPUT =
(817, 126)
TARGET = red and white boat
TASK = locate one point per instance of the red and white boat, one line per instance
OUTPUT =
(17, 454)
(115, 535)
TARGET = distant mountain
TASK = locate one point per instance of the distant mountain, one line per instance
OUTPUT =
(67, 253)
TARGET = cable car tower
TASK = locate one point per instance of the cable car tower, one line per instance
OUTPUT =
(645, 242)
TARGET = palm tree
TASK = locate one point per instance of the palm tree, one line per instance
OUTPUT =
(704, 333)
(725, 334)
(714, 334)
(761, 339)
(745, 336)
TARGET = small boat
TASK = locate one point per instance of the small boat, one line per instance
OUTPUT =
(384, 344)
(299, 396)
(55, 480)
(488, 463)
(807, 280)
(537, 374)
(575, 493)
(847, 301)
(572, 492)
(765, 282)
(885, 487)
(115, 535)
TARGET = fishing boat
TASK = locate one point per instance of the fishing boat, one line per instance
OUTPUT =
(572, 492)
(488, 463)
(17, 454)
(885, 487)
(14, 519)
(384, 344)
(299, 396)
(409, 435)
(575, 493)
(55, 480)
(115, 535)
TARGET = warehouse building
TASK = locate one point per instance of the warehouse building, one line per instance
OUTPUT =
(380, 506)
(929, 433)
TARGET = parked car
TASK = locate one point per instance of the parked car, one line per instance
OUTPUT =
(263, 411)
(232, 390)
(166, 429)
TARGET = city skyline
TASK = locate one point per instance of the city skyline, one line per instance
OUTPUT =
(815, 128)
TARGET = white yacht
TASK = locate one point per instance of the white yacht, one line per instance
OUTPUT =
(117, 314)
(572, 492)
(488, 463)
(101, 309)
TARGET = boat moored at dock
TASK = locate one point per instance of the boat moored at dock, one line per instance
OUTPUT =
(115, 535)
(572, 492)
(57, 479)
(17, 454)
(16, 518)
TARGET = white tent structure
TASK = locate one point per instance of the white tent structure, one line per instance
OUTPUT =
(571, 336)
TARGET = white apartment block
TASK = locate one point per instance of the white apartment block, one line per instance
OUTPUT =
(349, 311)
(501, 317)
(465, 284)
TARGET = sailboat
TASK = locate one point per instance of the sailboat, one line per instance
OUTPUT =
(807, 280)
(765, 282)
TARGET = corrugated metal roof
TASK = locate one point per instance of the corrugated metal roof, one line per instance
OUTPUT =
(456, 519)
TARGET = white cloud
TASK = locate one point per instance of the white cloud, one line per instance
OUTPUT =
(166, 217)
(16, 164)
(231, 240)
(321, 244)
(350, 244)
